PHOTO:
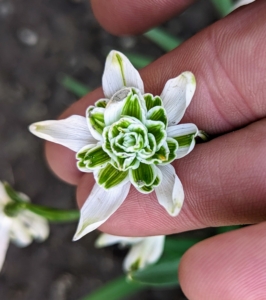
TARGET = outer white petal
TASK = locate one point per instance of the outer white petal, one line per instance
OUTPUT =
(177, 95)
(142, 254)
(4, 237)
(19, 234)
(72, 132)
(36, 225)
(4, 198)
(109, 239)
(119, 73)
(170, 192)
(182, 130)
(99, 206)
(241, 3)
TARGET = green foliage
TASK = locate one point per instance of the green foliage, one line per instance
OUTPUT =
(223, 6)
(164, 272)
(74, 86)
(163, 39)
(115, 290)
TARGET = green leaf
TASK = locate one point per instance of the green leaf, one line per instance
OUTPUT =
(139, 60)
(115, 290)
(74, 86)
(224, 229)
(163, 39)
(109, 176)
(164, 272)
(152, 101)
(223, 6)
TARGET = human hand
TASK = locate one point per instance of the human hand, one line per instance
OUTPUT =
(224, 179)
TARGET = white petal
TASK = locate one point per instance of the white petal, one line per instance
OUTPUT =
(72, 132)
(109, 239)
(241, 3)
(4, 198)
(177, 95)
(19, 235)
(99, 206)
(170, 192)
(119, 73)
(115, 106)
(36, 225)
(4, 237)
(183, 130)
(148, 251)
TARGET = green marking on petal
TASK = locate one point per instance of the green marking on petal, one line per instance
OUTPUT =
(109, 176)
(132, 108)
(157, 113)
(101, 103)
(162, 155)
(92, 157)
(152, 101)
(144, 175)
(96, 118)
(173, 147)
(120, 62)
(157, 128)
(185, 140)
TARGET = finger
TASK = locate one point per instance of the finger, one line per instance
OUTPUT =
(229, 61)
(228, 266)
(224, 183)
(132, 17)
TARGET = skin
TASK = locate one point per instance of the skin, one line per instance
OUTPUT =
(224, 179)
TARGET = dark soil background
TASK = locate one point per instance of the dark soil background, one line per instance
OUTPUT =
(39, 40)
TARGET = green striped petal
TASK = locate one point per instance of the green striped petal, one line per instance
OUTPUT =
(185, 135)
(152, 101)
(109, 177)
(157, 128)
(101, 103)
(134, 106)
(157, 113)
(92, 157)
(95, 120)
(172, 145)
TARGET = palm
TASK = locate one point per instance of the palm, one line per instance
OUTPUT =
(224, 179)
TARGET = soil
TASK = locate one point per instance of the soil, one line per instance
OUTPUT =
(40, 41)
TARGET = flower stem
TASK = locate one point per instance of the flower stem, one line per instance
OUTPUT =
(51, 214)
(204, 136)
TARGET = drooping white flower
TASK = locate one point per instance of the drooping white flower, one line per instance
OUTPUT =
(129, 137)
(143, 250)
(21, 228)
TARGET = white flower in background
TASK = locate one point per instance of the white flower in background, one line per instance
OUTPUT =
(21, 228)
(129, 137)
(143, 250)
(241, 3)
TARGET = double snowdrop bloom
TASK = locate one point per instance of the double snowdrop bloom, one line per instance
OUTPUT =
(143, 250)
(21, 228)
(129, 137)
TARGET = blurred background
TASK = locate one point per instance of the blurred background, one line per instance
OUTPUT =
(44, 46)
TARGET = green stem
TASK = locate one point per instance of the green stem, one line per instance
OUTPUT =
(204, 136)
(51, 214)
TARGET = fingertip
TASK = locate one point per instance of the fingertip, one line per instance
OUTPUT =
(134, 17)
(227, 266)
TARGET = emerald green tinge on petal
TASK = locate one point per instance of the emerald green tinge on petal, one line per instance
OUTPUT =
(109, 177)
(93, 158)
(101, 103)
(157, 113)
(185, 140)
(143, 175)
(157, 128)
(96, 119)
(133, 108)
(152, 101)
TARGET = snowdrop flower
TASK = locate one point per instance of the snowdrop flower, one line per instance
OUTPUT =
(143, 252)
(129, 137)
(21, 228)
